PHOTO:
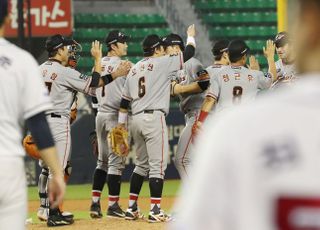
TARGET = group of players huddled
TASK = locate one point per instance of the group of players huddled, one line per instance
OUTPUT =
(137, 97)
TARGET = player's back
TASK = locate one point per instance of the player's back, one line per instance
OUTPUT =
(235, 85)
(148, 83)
(19, 86)
(109, 96)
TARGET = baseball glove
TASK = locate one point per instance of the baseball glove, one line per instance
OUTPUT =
(31, 147)
(118, 137)
(73, 115)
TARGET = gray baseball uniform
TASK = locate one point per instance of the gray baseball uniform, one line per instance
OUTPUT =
(237, 84)
(285, 74)
(109, 98)
(63, 85)
(148, 88)
(189, 105)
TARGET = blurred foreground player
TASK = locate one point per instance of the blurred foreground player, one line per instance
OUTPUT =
(259, 166)
(23, 98)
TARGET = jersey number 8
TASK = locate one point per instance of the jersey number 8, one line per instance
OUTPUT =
(237, 93)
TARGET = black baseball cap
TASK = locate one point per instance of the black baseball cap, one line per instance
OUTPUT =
(237, 49)
(150, 43)
(220, 47)
(281, 39)
(57, 41)
(3, 10)
(115, 36)
(173, 39)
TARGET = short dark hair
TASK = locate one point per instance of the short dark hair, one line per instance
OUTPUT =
(3, 11)
(52, 53)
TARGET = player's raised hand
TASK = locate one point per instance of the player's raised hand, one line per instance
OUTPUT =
(191, 31)
(122, 70)
(269, 50)
(253, 63)
(96, 49)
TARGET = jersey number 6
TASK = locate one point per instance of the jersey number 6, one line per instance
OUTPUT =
(237, 93)
(142, 87)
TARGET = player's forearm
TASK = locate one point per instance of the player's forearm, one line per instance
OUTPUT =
(272, 68)
(189, 52)
(190, 88)
(50, 157)
(123, 111)
(97, 65)
(208, 104)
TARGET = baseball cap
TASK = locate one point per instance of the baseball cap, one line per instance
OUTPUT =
(281, 39)
(173, 39)
(3, 10)
(57, 41)
(220, 47)
(115, 36)
(237, 49)
(151, 42)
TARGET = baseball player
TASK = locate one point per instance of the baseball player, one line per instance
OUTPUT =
(66, 82)
(109, 98)
(285, 68)
(22, 82)
(147, 88)
(235, 84)
(191, 97)
(262, 159)
(43, 210)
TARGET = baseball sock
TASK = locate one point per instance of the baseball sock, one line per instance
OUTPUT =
(42, 188)
(156, 186)
(99, 178)
(114, 184)
(136, 182)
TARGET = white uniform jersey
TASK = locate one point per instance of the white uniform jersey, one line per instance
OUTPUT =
(190, 102)
(213, 70)
(285, 73)
(148, 83)
(63, 84)
(109, 96)
(262, 163)
(23, 95)
(235, 85)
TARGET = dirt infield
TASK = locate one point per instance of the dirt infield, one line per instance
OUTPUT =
(105, 223)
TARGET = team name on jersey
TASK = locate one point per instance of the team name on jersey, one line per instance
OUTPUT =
(236, 76)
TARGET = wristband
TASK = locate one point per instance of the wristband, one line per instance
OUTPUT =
(107, 79)
(122, 119)
(191, 40)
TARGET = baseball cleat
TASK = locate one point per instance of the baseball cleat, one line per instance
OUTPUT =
(115, 211)
(43, 214)
(133, 214)
(158, 217)
(59, 220)
(95, 210)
